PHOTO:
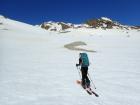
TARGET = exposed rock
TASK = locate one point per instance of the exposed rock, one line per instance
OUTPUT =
(45, 26)
(103, 23)
(74, 46)
(64, 26)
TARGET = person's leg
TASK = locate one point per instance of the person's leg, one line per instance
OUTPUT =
(83, 76)
(86, 77)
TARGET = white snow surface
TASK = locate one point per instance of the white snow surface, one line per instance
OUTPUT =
(36, 69)
(105, 18)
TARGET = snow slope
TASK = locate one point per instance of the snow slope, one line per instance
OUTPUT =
(36, 69)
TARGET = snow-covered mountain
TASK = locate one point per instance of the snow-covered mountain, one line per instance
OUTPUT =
(61, 26)
(103, 22)
(37, 66)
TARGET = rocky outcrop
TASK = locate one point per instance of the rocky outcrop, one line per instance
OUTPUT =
(64, 26)
(103, 23)
(56, 26)
(75, 46)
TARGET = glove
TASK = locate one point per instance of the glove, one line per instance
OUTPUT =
(77, 65)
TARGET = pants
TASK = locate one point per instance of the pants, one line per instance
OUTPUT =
(85, 79)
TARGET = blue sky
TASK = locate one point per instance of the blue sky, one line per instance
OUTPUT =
(74, 11)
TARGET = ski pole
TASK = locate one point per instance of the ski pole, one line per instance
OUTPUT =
(92, 81)
(79, 72)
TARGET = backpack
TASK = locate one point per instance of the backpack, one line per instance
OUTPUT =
(85, 60)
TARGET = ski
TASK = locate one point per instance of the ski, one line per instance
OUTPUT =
(90, 93)
(94, 93)
(88, 89)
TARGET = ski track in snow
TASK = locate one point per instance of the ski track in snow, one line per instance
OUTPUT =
(36, 69)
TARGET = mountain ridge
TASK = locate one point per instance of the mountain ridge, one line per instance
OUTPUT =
(103, 22)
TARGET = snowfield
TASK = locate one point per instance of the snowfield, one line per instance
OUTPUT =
(36, 68)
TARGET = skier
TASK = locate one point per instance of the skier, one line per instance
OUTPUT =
(84, 63)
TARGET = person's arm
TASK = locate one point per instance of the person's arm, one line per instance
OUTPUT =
(80, 62)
